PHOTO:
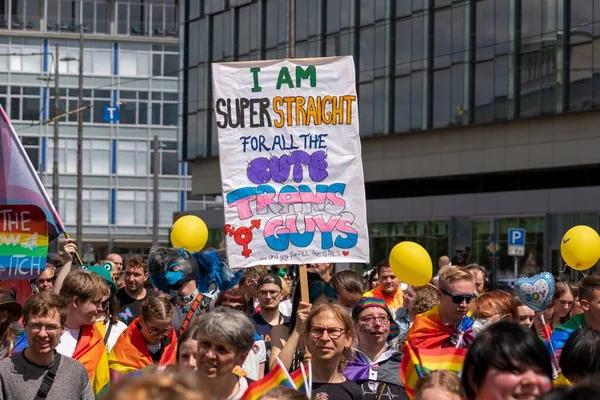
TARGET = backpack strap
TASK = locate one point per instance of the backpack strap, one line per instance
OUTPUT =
(48, 380)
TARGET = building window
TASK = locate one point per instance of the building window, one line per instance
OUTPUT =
(584, 55)
(134, 107)
(132, 158)
(97, 57)
(168, 159)
(308, 29)
(20, 14)
(164, 19)
(248, 37)
(25, 103)
(132, 207)
(493, 100)
(95, 206)
(164, 108)
(449, 65)
(138, 18)
(169, 204)
(538, 89)
(69, 103)
(165, 60)
(32, 148)
(96, 156)
(134, 60)
(410, 74)
(27, 55)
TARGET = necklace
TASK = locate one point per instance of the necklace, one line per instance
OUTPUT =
(184, 301)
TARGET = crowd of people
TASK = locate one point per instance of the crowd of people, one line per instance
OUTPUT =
(105, 331)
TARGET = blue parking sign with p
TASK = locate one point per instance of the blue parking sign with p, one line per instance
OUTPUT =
(516, 237)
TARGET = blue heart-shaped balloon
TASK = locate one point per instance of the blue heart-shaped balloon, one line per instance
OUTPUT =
(536, 292)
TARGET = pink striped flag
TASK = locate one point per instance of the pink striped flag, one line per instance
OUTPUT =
(19, 181)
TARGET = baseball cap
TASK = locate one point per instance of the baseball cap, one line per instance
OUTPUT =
(269, 278)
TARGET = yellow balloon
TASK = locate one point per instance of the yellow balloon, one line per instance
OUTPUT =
(580, 247)
(411, 263)
(189, 232)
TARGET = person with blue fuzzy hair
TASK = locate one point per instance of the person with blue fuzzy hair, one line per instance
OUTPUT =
(196, 278)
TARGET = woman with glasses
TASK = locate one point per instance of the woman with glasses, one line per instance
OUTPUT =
(492, 307)
(375, 366)
(148, 340)
(329, 334)
(107, 320)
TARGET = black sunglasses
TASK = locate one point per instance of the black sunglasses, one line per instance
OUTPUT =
(458, 299)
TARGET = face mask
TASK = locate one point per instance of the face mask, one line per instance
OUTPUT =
(480, 324)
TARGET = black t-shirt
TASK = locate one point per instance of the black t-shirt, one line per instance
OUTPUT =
(130, 308)
(347, 390)
(263, 329)
(371, 391)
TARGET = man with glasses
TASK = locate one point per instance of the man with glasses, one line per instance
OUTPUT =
(269, 292)
(39, 369)
(83, 291)
(45, 281)
(447, 324)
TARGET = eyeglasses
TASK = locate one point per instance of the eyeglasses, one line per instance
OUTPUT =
(383, 320)
(49, 280)
(458, 299)
(333, 333)
(37, 328)
(266, 293)
(158, 332)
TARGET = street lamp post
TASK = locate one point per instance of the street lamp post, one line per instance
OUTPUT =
(80, 143)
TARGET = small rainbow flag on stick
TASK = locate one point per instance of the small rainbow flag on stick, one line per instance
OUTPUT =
(417, 363)
(280, 377)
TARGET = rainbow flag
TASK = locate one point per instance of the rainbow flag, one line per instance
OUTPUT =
(276, 377)
(23, 242)
(91, 352)
(418, 362)
(130, 353)
(19, 180)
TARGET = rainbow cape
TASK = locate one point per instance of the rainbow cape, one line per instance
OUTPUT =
(418, 362)
(276, 377)
(130, 353)
(390, 302)
(561, 334)
(429, 332)
(91, 352)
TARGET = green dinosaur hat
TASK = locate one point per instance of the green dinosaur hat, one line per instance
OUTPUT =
(104, 271)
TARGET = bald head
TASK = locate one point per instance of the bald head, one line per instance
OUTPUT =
(444, 261)
(116, 259)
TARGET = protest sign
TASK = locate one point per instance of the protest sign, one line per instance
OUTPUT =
(23, 241)
(291, 168)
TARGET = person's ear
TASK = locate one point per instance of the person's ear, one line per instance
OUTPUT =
(585, 305)
(74, 302)
(242, 358)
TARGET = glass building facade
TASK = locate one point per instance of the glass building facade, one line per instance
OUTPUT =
(421, 66)
(131, 58)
